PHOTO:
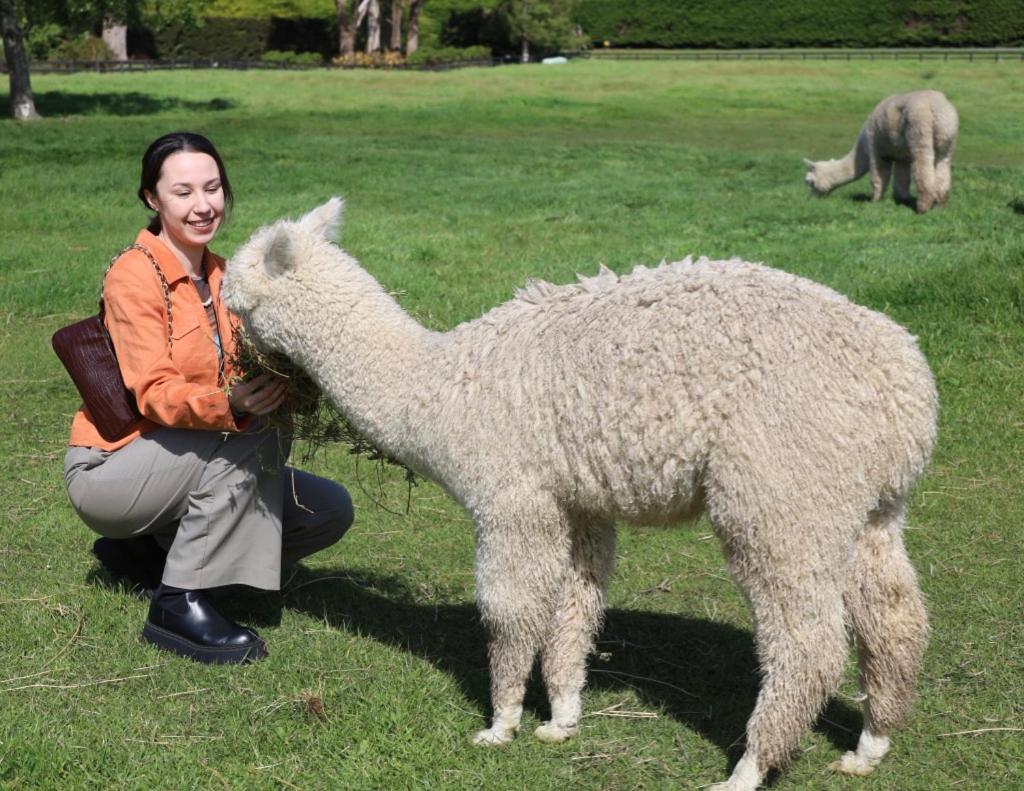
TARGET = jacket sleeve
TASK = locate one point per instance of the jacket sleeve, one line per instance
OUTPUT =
(137, 322)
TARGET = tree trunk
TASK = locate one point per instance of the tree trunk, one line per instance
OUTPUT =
(412, 39)
(115, 35)
(346, 30)
(524, 55)
(23, 106)
(373, 27)
(395, 45)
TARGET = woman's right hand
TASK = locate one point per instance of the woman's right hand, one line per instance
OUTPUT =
(259, 396)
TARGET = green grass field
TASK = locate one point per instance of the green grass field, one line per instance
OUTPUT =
(460, 186)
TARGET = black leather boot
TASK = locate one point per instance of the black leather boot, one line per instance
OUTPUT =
(137, 562)
(186, 623)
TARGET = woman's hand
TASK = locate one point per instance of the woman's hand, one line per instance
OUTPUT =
(259, 396)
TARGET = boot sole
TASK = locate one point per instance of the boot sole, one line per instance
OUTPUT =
(207, 654)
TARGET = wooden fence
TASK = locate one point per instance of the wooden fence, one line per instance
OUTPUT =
(996, 54)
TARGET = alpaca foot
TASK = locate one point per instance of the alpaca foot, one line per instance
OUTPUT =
(555, 733)
(745, 777)
(494, 737)
(870, 751)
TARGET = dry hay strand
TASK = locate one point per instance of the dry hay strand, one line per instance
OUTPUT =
(306, 415)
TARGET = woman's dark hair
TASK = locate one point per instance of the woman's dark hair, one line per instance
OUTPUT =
(163, 147)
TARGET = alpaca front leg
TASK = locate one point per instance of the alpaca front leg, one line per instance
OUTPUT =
(880, 171)
(575, 626)
(901, 183)
(522, 559)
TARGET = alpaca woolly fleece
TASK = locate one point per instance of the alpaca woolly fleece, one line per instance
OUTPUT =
(797, 419)
(906, 133)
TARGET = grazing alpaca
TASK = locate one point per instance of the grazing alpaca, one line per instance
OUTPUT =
(909, 131)
(797, 419)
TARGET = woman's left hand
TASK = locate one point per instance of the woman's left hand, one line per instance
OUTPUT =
(259, 396)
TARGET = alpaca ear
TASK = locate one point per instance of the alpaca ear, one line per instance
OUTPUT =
(280, 256)
(324, 220)
(808, 164)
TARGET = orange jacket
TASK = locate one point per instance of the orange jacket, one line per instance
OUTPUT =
(179, 386)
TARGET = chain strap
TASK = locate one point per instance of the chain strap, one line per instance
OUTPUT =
(163, 282)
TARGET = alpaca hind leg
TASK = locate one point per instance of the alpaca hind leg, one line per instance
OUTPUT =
(924, 176)
(794, 590)
(943, 180)
(880, 170)
(889, 621)
(522, 559)
(576, 623)
(901, 183)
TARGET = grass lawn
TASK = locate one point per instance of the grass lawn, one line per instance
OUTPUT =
(461, 185)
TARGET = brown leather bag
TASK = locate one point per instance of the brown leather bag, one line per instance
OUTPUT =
(87, 353)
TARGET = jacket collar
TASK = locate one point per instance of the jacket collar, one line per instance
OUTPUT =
(168, 261)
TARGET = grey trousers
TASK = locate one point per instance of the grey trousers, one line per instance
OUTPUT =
(224, 506)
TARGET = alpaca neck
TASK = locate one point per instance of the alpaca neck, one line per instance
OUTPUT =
(850, 168)
(373, 363)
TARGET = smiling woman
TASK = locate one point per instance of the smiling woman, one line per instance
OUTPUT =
(193, 496)
(184, 182)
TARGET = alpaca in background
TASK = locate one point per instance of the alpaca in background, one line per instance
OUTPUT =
(907, 132)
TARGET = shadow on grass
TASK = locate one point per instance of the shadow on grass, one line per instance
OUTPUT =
(51, 103)
(701, 673)
(865, 197)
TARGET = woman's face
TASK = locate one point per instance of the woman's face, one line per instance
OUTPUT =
(189, 199)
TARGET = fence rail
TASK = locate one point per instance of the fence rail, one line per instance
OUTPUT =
(118, 66)
(996, 54)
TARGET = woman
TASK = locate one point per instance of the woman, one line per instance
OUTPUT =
(196, 496)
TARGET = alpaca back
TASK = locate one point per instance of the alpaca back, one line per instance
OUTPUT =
(905, 123)
(615, 391)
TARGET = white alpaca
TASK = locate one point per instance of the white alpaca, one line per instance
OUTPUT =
(906, 132)
(797, 419)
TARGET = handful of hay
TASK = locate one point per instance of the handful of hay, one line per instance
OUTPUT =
(306, 415)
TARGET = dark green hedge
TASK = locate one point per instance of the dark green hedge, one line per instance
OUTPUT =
(236, 39)
(802, 23)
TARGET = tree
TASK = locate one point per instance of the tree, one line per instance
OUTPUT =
(395, 42)
(372, 25)
(115, 36)
(545, 24)
(350, 17)
(23, 106)
(412, 38)
(346, 30)
(77, 16)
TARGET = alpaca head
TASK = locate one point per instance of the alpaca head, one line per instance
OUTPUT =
(817, 177)
(269, 277)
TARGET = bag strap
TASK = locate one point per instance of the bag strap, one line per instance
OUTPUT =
(163, 282)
